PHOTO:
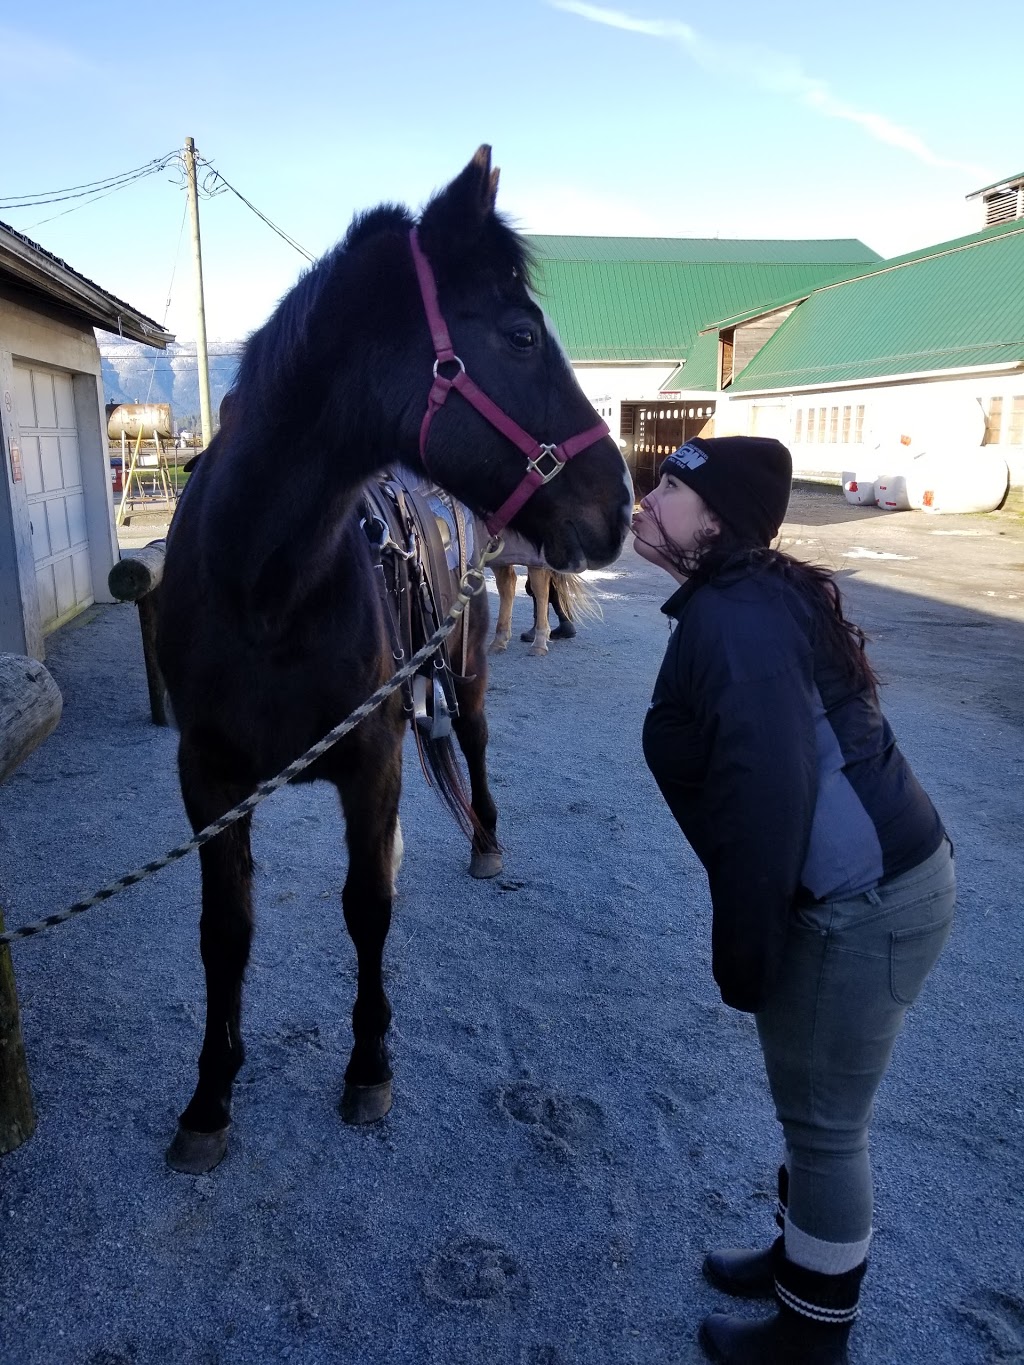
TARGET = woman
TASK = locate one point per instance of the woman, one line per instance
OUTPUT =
(831, 876)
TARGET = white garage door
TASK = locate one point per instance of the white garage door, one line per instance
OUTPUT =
(53, 482)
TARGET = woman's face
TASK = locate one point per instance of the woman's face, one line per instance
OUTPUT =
(675, 519)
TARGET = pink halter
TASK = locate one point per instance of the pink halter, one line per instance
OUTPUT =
(543, 461)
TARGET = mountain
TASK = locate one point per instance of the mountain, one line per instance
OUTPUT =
(133, 373)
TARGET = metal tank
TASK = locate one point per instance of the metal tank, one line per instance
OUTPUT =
(128, 419)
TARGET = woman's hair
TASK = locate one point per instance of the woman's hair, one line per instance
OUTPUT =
(720, 548)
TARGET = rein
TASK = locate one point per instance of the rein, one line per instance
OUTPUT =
(543, 461)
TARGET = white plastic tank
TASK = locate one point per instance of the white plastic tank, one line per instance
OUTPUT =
(858, 488)
(974, 481)
(895, 493)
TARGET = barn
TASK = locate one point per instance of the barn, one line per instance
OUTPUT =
(57, 537)
(923, 352)
(630, 313)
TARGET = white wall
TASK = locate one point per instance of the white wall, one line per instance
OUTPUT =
(941, 416)
(46, 336)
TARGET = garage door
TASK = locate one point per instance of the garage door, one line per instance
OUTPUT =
(45, 411)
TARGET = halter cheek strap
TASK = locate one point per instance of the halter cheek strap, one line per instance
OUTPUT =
(543, 461)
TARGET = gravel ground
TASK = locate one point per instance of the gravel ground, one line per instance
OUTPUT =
(577, 1116)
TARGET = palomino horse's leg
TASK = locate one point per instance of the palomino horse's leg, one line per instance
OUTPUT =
(369, 798)
(505, 577)
(225, 933)
(471, 731)
(540, 582)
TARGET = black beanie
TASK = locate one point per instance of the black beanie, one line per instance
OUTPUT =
(745, 480)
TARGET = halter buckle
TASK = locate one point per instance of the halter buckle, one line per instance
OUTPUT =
(557, 465)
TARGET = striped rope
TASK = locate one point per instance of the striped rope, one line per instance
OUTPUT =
(470, 585)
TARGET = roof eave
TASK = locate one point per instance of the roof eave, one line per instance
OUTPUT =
(64, 286)
(1011, 182)
(869, 381)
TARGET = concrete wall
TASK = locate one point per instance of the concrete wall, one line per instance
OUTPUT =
(34, 332)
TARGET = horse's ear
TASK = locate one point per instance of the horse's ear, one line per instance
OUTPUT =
(460, 210)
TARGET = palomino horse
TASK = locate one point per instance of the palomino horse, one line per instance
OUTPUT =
(271, 626)
(567, 593)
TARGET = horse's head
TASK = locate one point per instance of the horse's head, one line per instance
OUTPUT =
(578, 515)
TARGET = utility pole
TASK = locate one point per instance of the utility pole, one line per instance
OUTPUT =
(202, 357)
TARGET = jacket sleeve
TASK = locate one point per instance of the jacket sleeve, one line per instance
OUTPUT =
(751, 683)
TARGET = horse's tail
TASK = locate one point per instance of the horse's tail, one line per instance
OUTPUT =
(441, 765)
(576, 597)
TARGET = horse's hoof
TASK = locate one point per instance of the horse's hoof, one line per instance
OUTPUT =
(196, 1153)
(365, 1103)
(498, 647)
(483, 865)
(538, 651)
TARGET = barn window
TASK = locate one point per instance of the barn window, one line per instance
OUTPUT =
(993, 422)
(858, 433)
(847, 412)
(822, 419)
(1016, 432)
(798, 425)
(833, 426)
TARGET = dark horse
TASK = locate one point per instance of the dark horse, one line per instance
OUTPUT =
(271, 627)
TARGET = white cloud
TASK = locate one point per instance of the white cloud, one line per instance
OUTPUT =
(774, 72)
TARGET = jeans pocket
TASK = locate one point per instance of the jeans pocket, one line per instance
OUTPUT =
(912, 955)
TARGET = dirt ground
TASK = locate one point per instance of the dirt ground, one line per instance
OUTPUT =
(577, 1116)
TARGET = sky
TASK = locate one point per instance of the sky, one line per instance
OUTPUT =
(644, 118)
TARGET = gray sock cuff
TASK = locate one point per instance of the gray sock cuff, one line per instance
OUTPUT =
(827, 1258)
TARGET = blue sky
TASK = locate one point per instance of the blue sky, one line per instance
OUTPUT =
(647, 118)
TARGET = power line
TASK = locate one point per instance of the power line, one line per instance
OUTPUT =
(43, 197)
(216, 175)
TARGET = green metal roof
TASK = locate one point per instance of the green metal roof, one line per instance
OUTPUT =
(647, 298)
(699, 369)
(958, 305)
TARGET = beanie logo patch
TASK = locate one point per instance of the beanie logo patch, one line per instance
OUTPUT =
(689, 456)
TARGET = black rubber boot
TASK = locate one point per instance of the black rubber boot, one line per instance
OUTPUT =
(744, 1274)
(750, 1274)
(565, 630)
(811, 1327)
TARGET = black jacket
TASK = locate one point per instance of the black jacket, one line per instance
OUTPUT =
(785, 778)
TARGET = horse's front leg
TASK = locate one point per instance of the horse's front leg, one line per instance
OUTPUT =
(225, 933)
(505, 578)
(369, 798)
(540, 583)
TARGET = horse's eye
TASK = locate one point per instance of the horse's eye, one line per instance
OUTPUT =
(523, 338)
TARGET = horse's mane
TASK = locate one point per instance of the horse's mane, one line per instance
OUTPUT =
(277, 351)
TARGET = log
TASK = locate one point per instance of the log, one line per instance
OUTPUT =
(30, 707)
(17, 1114)
(138, 572)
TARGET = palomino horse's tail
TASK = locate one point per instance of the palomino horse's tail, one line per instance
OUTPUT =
(576, 597)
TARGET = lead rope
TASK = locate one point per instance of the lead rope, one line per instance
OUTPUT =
(471, 585)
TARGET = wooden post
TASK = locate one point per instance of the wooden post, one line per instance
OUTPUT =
(17, 1114)
(30, 707)
(137, 578)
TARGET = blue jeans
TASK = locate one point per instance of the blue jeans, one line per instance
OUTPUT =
(851, 968)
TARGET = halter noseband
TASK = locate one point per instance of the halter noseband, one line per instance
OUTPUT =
(543, 461)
